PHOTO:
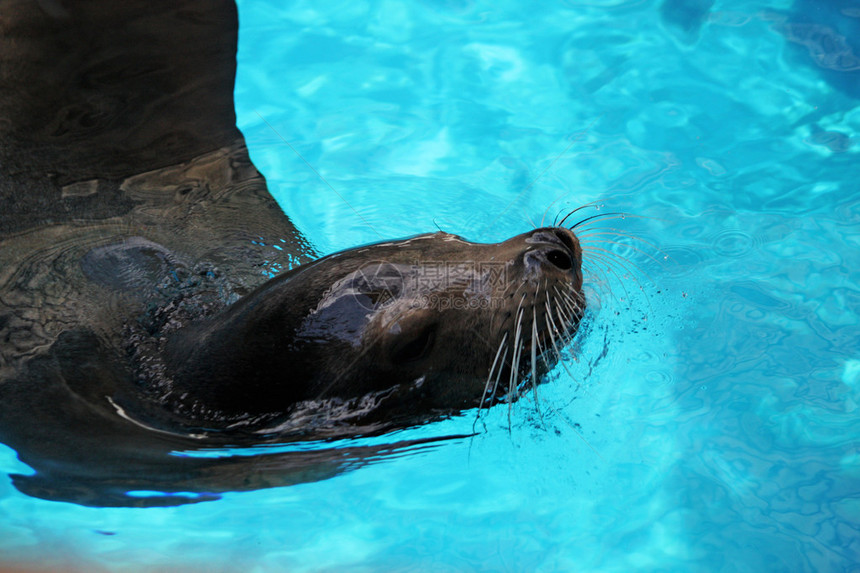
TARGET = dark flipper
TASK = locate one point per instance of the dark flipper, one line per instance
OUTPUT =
(117, 126)
(121, 168)
(104, 90)
(94, 92)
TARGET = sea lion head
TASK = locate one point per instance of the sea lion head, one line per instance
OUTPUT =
(390, 333)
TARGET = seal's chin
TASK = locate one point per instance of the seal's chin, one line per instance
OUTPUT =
(390, 334)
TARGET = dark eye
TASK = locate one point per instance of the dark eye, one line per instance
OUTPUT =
(414, 348)
(560, 259)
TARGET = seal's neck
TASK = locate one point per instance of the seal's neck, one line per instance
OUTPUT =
(236, 363)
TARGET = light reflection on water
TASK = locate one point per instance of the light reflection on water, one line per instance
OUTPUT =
(709, 421)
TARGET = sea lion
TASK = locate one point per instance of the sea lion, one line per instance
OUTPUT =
(391, 333)
(138, 318)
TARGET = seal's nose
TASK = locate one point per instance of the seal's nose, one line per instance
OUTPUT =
(558, 257)
(554, 246)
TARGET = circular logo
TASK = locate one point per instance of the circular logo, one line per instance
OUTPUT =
(377, 285)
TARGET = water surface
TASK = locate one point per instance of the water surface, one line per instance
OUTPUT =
(709, 420)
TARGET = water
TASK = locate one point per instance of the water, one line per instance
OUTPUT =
(711, 420)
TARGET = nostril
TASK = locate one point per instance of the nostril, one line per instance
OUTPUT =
(560, 259)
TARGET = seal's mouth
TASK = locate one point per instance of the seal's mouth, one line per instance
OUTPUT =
(533, 343)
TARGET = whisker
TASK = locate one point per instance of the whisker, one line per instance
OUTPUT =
(596, 274)
(502, 346)
(612, 232)
(564, 418)
(550, 327)
(580, 208)
(555, 344)
(609, 257)
(569, 312)
(548, 207)
(562, 319)
(626, 258)
(576, 301)
(572, 299)
(515, 359)
(567, 336)
(615, 215)
(561, 312)
(535, 342)
(496, 381)
(609, 268)
(519, 287)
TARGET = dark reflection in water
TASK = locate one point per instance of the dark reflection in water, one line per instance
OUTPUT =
(826, 34)
(125, 183)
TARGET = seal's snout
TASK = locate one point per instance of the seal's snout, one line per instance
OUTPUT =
(553, 248)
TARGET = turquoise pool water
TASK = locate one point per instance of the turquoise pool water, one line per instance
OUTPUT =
(709, 418)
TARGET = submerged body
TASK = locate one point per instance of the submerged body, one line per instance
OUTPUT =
(137, 317)
(380, 336)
